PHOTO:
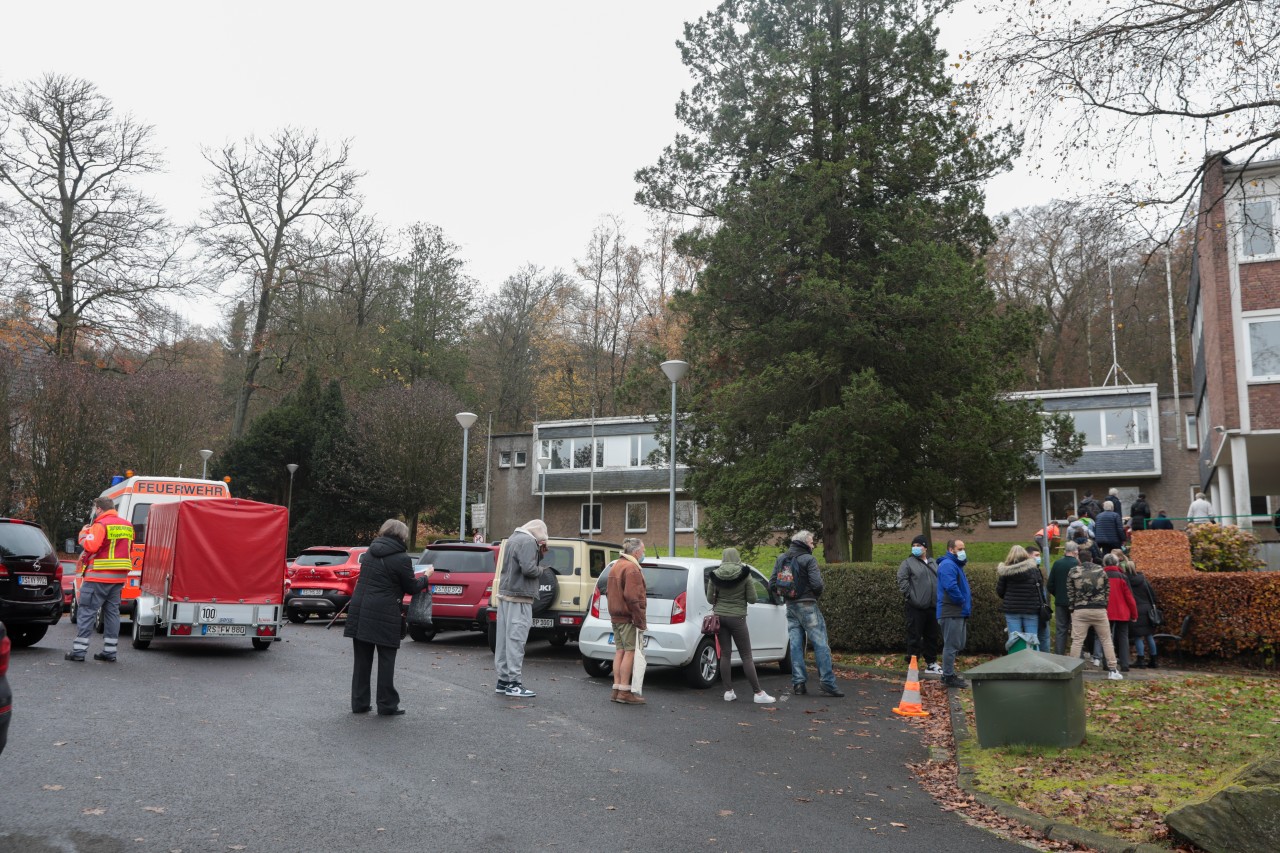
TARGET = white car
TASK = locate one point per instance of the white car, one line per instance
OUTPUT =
(677, 601)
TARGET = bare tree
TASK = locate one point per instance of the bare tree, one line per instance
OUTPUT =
(165, 418)
(275, 203)
(83, 247)
(1146, 87)
(437, 300)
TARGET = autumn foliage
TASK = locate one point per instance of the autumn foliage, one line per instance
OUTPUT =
(1232, 613)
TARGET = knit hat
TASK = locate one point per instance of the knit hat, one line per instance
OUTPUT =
(730, 555)
(921, 539)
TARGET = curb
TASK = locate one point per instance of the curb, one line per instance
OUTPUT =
(1046, 826)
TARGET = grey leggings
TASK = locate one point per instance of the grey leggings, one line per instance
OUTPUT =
(733, 630)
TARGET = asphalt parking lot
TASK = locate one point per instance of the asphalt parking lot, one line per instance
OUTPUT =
(210, 747)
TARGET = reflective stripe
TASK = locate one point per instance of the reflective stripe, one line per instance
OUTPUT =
(112, 564)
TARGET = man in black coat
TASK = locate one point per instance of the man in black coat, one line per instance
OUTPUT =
(373, 616)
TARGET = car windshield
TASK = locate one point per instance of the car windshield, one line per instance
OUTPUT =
(23, 540)
(321, 558)
(451, 560)
(659, 581)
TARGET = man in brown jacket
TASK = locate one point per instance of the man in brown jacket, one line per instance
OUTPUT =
(627, 601)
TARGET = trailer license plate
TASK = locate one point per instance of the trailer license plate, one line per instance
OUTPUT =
(311, 592)
(210, 630)
(441, 589)
(32, 580)
(544, 623)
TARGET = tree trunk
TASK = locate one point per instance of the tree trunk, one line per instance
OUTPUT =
(254, 356)
(864, 522)
(835, 522)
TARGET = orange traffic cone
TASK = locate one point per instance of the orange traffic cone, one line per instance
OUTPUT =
(910, 705)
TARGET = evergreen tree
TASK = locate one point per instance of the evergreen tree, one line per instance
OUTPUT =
(846, 352)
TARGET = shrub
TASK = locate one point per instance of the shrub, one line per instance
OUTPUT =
(863, 608)
(1219, 548)
(1231, 613)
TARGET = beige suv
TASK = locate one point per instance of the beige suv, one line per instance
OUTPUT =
(569, 573)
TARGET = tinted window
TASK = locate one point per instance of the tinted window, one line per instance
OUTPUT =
(560, 559)
(23, 540)
(448, 560)
(597, 562)
(139, 522)
(321, 558)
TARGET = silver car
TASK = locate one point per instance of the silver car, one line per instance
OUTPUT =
(677, 601)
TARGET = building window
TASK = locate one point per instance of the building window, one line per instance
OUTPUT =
(686, 516)
(590, 518)
(1110, 428)
(520, 459)
(1062, 503)
(1005, 515)
(1264, 348)
(504, 458)
(642, 447)
(888, 515)
(637, 520)
(1260, 507)
(1193, 434)
(944, 518)
(1257, 238)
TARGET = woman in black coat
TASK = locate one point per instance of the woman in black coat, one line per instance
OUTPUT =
(373, 616)
(1142, 631)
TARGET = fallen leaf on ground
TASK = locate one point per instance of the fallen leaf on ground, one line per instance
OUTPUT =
(93, 811)
(52, 787)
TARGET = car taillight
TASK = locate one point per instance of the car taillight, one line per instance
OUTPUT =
(4, 656)
(677, 608)
(57, 574)
(595, 603)
(488, 590)
(343, 573)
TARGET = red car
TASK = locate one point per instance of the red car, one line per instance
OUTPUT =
(68, 584)
(461, 584)
(320, 581)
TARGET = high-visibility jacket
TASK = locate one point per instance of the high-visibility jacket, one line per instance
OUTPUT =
(107, 542)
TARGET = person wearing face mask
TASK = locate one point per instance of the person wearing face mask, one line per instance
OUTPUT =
(918, 583)
(1019, 584)
(954, 605)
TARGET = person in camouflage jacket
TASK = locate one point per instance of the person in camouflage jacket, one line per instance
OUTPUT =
(1088, 592)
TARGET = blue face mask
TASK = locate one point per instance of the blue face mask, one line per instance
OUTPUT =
(917, 551)
(962, 556)
(1037, 559)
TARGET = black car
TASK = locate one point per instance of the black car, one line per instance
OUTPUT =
(30, 582)
(6, 695)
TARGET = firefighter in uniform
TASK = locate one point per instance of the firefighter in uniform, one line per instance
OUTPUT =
(107, 542)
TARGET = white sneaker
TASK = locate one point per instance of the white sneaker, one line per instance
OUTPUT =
(1114, 675)
(519, 691)
(1097, 663)
(934, 669)
(730, 696)
(763, 698)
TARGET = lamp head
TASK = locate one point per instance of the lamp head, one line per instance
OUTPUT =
(291, 467)
(544, 462)
(205, 454)
(675, 370)
(466, 419)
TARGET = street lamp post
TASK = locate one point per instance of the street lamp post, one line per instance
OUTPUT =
(204, 464)
(465, 420)
(544, 462)
(675, 371)
(293, 468)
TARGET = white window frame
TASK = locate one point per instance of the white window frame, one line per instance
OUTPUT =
(1249, 321)
(597, 511)
(626, 517)
(1101, 415)
(1192, 429)
(693, 516)
(1075, 501)
(504, 458)
(993, 523)
(942, 525)
(519, 458)
(1243, 225)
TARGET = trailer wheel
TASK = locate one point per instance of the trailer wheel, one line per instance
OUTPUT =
(141, 636)
(262, 643)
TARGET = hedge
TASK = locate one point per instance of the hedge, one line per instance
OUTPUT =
(863, 608)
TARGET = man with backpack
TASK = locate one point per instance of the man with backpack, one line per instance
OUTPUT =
(798, 581)
(1089, 506)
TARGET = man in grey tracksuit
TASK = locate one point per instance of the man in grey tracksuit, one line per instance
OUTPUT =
(918, 583)
(517, 591)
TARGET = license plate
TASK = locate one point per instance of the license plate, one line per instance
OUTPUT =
(32, 580)
(311, 592)
(211, 630)
(646, 640)
(544, 623)
(449, 590)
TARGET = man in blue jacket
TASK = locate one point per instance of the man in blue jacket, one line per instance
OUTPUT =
(954, 604)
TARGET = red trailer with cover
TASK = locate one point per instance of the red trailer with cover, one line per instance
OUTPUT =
(213, 569)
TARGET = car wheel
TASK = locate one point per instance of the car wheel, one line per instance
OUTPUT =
(298, 618)
(75, 609)
(422, 635)
(491, 632)
(548, 586)
(262, 643)
(559, 639)
(704, 670)
(21, 636)
(141, 636)
(598, 668)
(100, 622)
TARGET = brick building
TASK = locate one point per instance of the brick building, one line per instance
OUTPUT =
(1234, 309)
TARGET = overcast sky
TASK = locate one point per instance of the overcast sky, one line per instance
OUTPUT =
(514, 126)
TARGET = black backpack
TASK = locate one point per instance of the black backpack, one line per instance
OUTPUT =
(784, 581)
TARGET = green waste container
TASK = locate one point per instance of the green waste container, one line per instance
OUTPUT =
(1029, 697)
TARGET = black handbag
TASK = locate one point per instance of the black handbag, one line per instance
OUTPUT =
(1046, 615)
(420, 608)
(1155, 616)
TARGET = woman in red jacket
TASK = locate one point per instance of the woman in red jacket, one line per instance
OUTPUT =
(1122, 610)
